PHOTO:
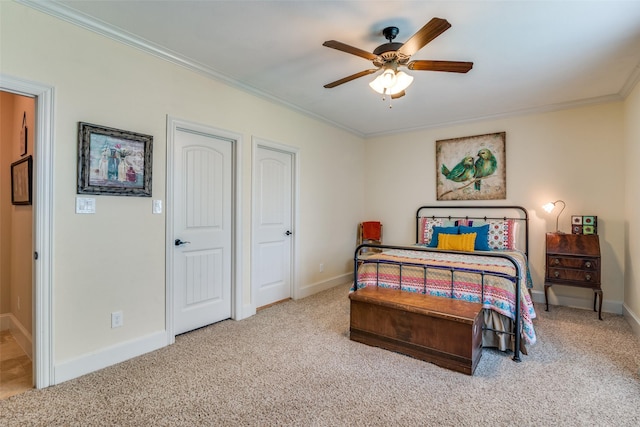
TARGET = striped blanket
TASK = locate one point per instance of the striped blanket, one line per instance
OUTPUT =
(456, 276)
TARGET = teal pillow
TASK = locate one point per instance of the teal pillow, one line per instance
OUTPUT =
(444, 230)
(482, 236)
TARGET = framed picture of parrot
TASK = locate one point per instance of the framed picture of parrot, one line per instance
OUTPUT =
(471, 168)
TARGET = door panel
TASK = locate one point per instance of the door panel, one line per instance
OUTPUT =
(202, 222)
(204, 281)
(273, 226)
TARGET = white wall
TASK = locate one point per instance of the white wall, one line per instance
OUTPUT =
(575, 155)
(632, 211)
(115, 259)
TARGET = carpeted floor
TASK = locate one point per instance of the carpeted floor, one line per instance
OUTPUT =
(293, 364)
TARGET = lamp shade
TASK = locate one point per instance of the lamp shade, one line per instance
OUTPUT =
(549, 207)
(384, 81)
(403, 80)
(391, 82)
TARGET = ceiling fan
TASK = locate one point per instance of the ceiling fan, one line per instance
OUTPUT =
(393, 55)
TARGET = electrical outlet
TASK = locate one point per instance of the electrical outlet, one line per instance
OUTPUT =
(116, 319)
(321, 267)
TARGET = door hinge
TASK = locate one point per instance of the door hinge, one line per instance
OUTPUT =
(35, 255)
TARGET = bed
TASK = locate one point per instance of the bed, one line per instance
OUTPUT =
(492, 271)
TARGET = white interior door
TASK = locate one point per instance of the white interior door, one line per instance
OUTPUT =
(202, 215)
(272, 247)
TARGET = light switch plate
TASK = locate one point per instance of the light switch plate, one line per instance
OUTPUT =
(157, 206)
(85, 205)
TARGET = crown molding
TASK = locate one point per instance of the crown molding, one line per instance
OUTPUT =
(631, 82)
(115, 33)
(507, 114)
(74, 17)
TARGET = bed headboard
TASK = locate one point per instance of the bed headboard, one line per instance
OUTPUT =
(485, 213)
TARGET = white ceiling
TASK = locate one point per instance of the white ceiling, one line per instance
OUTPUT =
(528, 55)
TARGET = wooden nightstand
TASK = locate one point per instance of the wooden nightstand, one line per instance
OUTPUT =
(573, 260)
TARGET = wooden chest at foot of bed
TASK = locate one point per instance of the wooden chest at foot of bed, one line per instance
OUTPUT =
(443, 331)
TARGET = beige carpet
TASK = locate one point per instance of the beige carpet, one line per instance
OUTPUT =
(293, 364)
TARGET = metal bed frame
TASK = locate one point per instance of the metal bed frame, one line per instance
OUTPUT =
(523, 216)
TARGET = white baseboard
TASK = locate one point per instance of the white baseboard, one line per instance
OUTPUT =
(577, 302)
(20, 334)
(249, 310)
(109, 356)
(632, 318)
(314, 288)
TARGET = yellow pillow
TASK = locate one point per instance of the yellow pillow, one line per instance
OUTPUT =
(457, 242)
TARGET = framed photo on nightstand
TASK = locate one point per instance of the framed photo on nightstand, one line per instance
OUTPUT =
(584, 224)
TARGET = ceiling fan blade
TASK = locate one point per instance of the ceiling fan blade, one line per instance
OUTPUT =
(349, 49)
(351, 77)
(449, 66)
(398, 95)
(430, 31)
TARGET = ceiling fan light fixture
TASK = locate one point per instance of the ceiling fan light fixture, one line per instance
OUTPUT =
(403, 80)
(384, 82)
(391, 82)
(389, 56)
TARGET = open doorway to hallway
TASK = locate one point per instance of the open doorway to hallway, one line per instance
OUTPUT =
(17, 125)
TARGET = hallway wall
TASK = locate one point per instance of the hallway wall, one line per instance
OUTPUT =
(16, 222)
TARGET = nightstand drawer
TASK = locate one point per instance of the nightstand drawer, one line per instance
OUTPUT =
(587, 278)
(569, 262)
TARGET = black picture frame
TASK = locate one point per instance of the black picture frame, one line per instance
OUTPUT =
(113, 161)
(24, 135)
(21, 181)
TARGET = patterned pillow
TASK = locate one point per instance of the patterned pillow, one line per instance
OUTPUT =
(502, 234)
(426, 229)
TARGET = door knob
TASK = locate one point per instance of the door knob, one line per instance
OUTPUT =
(179, 242)
(288, 233)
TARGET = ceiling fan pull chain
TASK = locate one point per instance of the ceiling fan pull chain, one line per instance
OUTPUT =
(384, 97)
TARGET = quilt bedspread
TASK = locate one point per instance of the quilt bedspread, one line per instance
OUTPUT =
(455, 276)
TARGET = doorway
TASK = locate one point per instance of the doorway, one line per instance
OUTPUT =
(39, 253)
(273, 231)
(16, 246)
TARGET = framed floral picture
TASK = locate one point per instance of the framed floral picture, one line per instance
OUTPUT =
(471, 168)
(113, 161)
